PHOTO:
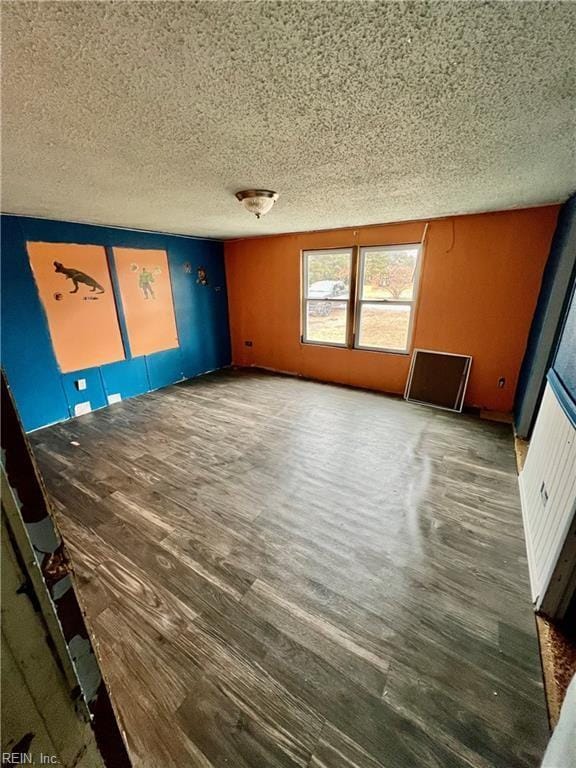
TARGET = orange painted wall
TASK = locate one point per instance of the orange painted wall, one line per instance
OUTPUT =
(150, 318)
(479, 284)
(83, 325)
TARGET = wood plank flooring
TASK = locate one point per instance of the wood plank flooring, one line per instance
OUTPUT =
(281, 573)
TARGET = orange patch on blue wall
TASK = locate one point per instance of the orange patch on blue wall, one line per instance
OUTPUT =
(76, 291)
(146, 291)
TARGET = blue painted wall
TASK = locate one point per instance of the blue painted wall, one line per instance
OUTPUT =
(551, 311)
(44, 395)
(563, 372)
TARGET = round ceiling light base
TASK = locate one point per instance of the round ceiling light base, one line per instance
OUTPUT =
(257, 201)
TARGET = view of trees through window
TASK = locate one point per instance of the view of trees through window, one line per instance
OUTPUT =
(386, 297)
(389, 274)
(386, 291)
(329, 266)
(327, 281)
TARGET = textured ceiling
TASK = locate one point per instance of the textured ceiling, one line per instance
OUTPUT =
(152, 114)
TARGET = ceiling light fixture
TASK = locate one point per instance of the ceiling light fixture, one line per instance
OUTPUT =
(257, 201)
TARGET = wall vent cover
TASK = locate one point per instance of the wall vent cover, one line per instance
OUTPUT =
(438, 379)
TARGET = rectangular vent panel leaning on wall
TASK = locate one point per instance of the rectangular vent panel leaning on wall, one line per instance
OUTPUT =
(44, 391)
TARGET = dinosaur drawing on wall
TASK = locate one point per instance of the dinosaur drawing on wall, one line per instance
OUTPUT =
(78, 277)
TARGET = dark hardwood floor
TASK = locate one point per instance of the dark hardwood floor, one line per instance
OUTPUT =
(284, 573)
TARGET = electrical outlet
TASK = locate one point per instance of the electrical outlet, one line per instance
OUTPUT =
(80, 384)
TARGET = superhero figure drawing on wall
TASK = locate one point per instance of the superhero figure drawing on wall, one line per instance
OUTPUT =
(145, 279)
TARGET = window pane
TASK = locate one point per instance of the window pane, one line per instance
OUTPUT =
(384, 326)
(326, 321)
(328, 274)
(389, 274)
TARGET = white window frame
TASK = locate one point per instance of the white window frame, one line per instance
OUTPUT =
(349, 301)
(412, 303)
(354, 302)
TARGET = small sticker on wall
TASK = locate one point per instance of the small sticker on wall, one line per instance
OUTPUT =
(201, 276)
(188, 268)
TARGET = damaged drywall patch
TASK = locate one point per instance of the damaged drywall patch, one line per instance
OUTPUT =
(43, 536)
(86, 666)
(61, 587)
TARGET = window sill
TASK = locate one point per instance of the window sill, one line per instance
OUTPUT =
(331, 344)
(403, 352)
(327, 344)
